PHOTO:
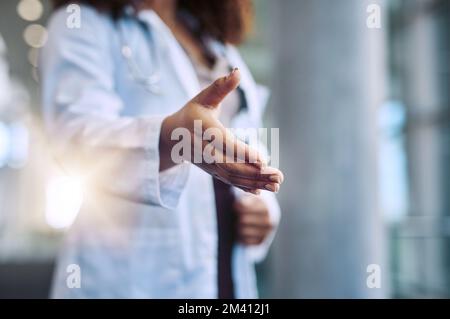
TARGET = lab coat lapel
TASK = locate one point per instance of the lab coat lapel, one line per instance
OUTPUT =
(248, 86)
(182, 65)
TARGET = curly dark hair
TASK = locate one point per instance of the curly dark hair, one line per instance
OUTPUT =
(228, 21)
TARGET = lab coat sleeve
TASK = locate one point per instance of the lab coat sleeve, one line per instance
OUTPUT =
(82, 114)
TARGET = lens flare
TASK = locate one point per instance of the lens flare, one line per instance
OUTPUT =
(63, 201)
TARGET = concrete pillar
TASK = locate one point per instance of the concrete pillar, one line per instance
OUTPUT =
(425, 73)
(328, 81)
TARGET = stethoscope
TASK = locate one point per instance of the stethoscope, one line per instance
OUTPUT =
(151, 81)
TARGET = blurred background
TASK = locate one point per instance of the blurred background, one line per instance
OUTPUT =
(364, 118)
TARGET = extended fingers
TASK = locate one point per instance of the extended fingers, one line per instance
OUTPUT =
(250, 172)
(241, 152)
(254, 184)
(247, 183)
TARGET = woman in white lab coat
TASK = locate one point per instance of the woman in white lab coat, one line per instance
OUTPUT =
(115, 87)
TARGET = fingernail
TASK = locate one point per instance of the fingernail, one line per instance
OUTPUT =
(232, 72)
(270, 187)
(274, 178)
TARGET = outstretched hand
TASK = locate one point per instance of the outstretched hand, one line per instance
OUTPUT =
(234, 162)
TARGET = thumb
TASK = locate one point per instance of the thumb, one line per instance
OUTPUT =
(216, 92)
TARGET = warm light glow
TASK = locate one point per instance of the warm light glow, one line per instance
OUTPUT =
(30, 10)
(64, 199)
(35, 35)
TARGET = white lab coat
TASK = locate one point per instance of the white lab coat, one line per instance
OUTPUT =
(140, 233)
